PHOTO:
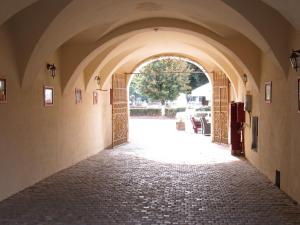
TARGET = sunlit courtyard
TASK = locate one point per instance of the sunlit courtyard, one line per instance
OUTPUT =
(159, 140)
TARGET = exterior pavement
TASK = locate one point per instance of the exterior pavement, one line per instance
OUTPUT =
(162, 177)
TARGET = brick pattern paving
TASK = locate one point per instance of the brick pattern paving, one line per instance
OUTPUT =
(121, 187)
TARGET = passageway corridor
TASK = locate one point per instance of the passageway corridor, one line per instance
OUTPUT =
(130, 185)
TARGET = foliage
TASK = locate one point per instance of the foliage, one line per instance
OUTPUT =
(133, 91)
(145, 112)
(197, 78)
(155, 112)
(163, 80)
(207, 108)
(171, 112)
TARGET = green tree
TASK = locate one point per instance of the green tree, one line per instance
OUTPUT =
(164, 79)
(197, 78)
(134, 93)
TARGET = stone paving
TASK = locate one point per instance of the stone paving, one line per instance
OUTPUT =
(135, 185)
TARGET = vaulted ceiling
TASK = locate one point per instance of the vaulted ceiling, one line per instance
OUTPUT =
(289, 9)
(99, 36)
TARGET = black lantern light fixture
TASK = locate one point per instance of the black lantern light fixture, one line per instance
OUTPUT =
(294, 59)
(98, 82)
(245, 78)
(51, 69)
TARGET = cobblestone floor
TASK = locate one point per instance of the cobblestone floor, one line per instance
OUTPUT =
(135, 185)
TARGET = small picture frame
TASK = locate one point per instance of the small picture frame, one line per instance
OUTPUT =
(3, 90)
(298, 93)
(48, 96)
(78, 96)
(268, 92)
(95, 97)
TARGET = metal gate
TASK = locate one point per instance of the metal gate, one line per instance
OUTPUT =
(220, 107)
(119, 110)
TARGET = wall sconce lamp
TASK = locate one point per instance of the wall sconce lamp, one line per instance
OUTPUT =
(294, 59)
(51, 69)
(98, 82)
(245, 78)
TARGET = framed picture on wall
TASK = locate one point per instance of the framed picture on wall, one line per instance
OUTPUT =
(95, 97)
(3, 92)
(298, 93)
(48, 96)
(78, 95)
(268, 92)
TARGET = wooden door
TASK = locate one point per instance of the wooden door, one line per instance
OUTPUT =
(220, 107)
(119, 110)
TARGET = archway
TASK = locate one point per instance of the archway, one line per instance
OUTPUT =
(102, 38)
(185, 106)
(220, 115)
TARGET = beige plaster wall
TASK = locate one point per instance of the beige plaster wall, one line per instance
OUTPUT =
(279, 122)
(37, 141)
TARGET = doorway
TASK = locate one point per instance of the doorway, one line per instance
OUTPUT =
(217, 105)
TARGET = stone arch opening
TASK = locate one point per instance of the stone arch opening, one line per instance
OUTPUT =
(208, 96)
(210, 75)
